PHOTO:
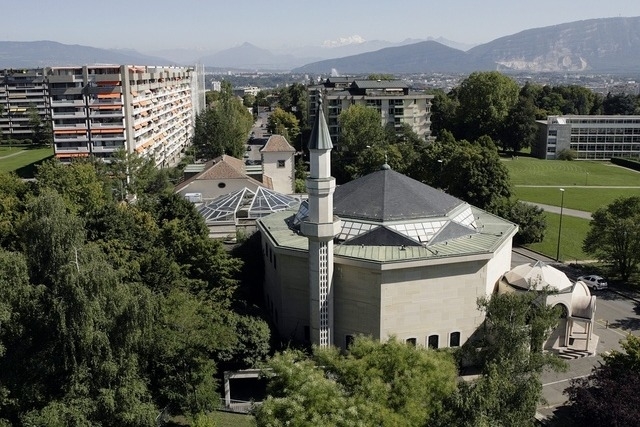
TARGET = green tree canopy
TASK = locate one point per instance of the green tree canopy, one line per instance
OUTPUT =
(375, 383)
(283, 123)
(485, 101)
(614, 236)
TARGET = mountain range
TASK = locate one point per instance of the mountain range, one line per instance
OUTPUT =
(603, 45)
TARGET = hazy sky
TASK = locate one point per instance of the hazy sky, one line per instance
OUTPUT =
(147, 25)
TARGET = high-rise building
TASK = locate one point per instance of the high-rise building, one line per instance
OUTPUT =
(393, 99)
(22, 92)
(96, 110)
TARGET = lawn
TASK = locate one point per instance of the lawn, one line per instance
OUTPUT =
(531, 171)
(574, 231)
(588, 186)
(21, 158)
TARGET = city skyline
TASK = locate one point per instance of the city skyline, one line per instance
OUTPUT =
(212, 26)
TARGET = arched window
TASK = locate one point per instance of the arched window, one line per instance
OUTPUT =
(411, 342)
(432, 341)
(454, 339)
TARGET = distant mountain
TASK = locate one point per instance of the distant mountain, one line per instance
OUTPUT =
(183, 56)
(48, 53)
(422, 57)
(249, 56)
(598, 45)
(602, 45)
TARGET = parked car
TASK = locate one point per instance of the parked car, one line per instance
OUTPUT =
(594, 282)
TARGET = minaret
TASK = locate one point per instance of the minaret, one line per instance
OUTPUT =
(320, 227)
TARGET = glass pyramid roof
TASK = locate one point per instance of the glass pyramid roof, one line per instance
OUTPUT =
(247, 203)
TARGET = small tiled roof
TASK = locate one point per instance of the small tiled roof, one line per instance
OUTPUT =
(277, 143)
(223, 167)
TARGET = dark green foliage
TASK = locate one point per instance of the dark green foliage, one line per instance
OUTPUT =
(621, 103)
(519, 130)
(614, 236)
(110, 310)
(567, 154)
(531, 221)
(610, 396)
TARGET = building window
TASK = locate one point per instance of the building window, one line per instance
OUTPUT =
(348, 340)
(411, 342)
(281, 163)
(454, 339)
(432, 341)
(307, 333)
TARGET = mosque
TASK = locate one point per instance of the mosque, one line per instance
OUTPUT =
(383, 255)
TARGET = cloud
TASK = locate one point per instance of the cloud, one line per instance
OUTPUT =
(343, 41)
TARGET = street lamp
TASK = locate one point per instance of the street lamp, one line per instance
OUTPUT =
(560, 226)
(440, 177)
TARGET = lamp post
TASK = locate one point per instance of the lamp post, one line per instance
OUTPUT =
(440, 177)
(560, 226)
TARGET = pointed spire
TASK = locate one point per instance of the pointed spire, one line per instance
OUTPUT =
(320, 138)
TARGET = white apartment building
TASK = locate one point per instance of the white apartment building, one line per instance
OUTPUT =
(590, 137)
(98, 109)
(393, 99)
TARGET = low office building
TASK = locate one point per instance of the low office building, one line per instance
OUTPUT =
(393, 99)
(589, 137)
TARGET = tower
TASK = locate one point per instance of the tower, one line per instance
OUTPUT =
(320, 227)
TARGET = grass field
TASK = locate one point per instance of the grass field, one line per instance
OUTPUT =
(20, 158)
(574, 231)
(588, 186)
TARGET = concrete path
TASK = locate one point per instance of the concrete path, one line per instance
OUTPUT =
(12, 154)
(565, 211)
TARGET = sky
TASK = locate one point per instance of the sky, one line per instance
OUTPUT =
(149, 26)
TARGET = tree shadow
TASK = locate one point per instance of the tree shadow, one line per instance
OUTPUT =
(629, 323)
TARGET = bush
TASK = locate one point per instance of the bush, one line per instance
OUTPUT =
(567, 154)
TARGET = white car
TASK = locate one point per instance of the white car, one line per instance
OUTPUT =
(594, 282)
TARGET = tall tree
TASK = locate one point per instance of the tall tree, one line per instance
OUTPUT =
(614, 236)
(519, 129)
(223, 127)
(620, 103)
(485, 101)
(283, 123)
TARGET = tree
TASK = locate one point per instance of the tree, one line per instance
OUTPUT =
(614, 236)
(520, 129)
(610, 395)
(42, 131)
(443, 113)
(531, 221)
(283, 123)
(620, 103)
(485, 101)
(509, 352)
(223, 127)
(375, 383)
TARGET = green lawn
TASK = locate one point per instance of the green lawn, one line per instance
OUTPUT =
(574, 231)
(585, 184)
(530, 171)
(583, 199)
(23, 158)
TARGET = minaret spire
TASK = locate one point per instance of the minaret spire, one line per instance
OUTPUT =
(320, 228)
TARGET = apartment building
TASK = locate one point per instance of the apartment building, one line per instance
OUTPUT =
(22, 92)
(97, 110)
(590, 137)
(393, 99)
